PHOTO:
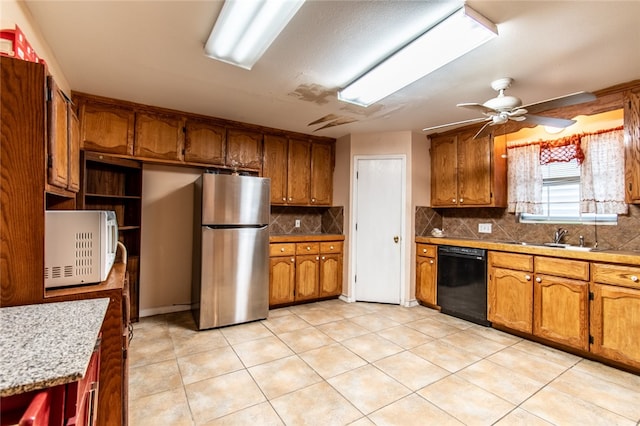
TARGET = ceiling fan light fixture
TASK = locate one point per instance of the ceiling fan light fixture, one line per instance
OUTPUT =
(244, 30)
(456, 35)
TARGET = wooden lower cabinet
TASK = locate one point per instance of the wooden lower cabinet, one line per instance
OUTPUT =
(302, 272)
(426, 274)
(510, 299)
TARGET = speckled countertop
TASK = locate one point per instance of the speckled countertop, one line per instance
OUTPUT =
(47, 344)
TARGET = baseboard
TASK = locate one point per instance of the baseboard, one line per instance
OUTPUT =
(346, 299)
(163, 310)
(411, 303)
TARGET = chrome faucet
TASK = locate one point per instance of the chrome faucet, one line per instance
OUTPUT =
(559, 235)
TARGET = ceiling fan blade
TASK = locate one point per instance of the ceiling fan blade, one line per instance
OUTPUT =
(561, 101)
(549, 121)
(484, 131)
(477, 107)
(457, 123)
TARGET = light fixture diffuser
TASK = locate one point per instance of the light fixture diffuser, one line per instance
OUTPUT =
(459, 33)
(245, 29)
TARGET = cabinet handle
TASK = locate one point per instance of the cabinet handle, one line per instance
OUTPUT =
(453, 200)
(323, 258)
(634, 278)
(292, 260)
(313, 200)
(282, 249)
(284, 198)
(308, 248)
(290, 198)
(317, 258)
(330, 247)
(424, 250)
(527, 277)
(538, 280)
(431, 261)
(462, 200)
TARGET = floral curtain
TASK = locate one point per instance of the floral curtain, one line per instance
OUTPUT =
(524, 179)
(602, 178)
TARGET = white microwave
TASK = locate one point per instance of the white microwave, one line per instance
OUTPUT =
(80, 246)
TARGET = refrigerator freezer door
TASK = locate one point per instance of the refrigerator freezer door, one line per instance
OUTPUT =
(235, 276)
(235, 200)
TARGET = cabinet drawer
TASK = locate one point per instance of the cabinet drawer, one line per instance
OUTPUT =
(575, 269)
(308, 248)
(627, 276)
(282, 249)
(513, 261)
(426, 250)
(331, 247)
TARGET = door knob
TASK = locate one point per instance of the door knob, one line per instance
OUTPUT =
(396, 239)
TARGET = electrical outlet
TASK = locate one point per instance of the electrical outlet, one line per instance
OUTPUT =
(484, 228)
(297, 223)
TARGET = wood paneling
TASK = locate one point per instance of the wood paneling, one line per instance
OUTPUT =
(106, 128)
(244, 149)
(299, 172)
(274, 166)
(321, 174)
(159, 136)
(205, 142)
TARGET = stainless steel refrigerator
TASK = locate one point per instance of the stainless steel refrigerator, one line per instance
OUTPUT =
(230, 282)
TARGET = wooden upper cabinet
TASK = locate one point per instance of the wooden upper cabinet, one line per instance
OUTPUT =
(444, 167)
(74, 150)
(244, 149)
(299, 172)
(467, 172)
(321, 174)
(274, 166)
(58, 146)
(632, 145)
(205, 142)
(106, 128)
(159, 136)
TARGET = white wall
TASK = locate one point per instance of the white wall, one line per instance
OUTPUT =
(14, 12)
(167, 235)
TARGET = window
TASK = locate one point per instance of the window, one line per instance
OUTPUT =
(561, 197)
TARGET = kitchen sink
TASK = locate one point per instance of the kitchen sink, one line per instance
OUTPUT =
(553, 245)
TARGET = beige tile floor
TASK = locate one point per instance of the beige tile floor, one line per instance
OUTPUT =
(336, 363)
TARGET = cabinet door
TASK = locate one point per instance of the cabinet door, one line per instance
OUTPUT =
(307, 275)
(58, 146)
(274, 166)
(444, 164)
(281, 280)
(74, 150)
(632, 145)
(426, 280)
(474, 170)
(615, 323)
(321, 174)
(560, 310)
(510, 299)
(299, 172)
(159, 136)
(106, 128)
(204, 143)
(330, 275)
(244, 149)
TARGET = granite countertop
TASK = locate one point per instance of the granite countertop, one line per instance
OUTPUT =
(47, 344)
(294, 238)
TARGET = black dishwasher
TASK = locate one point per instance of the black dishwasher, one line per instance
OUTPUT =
(462, 283)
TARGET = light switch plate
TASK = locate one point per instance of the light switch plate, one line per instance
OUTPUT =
(484, 228)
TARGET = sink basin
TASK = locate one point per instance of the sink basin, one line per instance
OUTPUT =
(552, 245)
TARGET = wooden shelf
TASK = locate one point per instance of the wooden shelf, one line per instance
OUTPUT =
(116, 196)
(128, 228)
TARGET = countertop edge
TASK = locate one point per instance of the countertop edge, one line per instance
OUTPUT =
(295, 238)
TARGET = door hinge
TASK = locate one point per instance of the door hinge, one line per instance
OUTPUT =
(356, 226)
(591, 296)
(357, 175)
(355, 279)
(590, 339)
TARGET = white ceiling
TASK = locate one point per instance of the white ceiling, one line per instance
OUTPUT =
(151, 52)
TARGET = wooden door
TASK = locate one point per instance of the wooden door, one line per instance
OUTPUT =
(560, 310)
(299, 172)
(510, 299)
(106, 128)
(281, 280)
(244, 149)
(632, 146)
(321, 174)
(307, 275)
(274, 166)
(444, 170)
(330, 275)
(159, 136)
(204, 143)
(74, 150)
(474, 170)
(615, 323)
(426, 280)
(58, 146)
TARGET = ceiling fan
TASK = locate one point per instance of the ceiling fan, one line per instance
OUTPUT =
(503, 108)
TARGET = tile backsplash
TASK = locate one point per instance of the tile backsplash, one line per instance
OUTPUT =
(313, 220)
(463, 223)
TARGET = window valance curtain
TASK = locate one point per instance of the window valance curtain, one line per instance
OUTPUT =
(561, 150)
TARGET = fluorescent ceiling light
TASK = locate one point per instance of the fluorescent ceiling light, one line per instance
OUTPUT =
(456, 35)
(246, 28)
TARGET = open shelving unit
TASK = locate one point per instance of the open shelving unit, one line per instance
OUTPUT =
(112, 183)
